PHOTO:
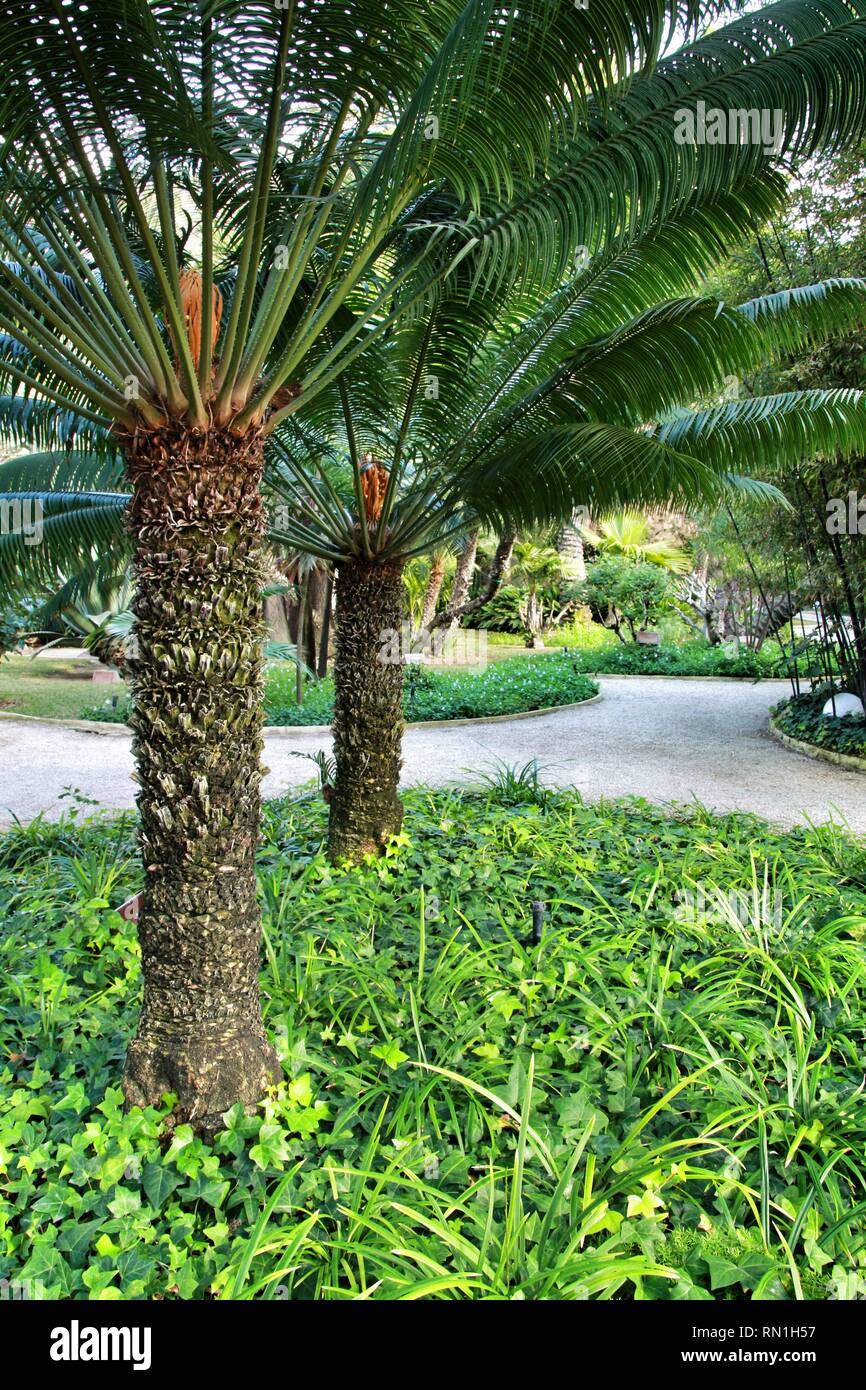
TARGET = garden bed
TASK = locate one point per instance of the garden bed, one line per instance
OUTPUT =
(605, 656)
(799, 723)
(521, 685)
(606, 1113)
(60, 691)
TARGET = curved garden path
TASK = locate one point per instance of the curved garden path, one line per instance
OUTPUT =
(663, 739)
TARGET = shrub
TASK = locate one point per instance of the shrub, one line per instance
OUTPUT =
(502, 613)
(635, 593)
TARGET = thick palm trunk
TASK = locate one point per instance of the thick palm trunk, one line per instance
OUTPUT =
(368, 709)
(197, 524)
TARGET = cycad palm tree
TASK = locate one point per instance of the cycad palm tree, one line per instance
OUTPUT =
(542, 419)
(330, 165)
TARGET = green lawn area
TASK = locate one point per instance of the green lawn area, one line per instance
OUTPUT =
(659, 1099)
(51, 689)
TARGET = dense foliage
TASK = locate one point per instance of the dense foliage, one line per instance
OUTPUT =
(682, 659)
(804, 548)
(506, 687)
(660, 1099)
(801, 718)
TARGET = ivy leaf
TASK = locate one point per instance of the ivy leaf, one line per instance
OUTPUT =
(206, 1190)
(748, 1271)
(300, 1090)
(271, 1151)
(75, 1241)
(159, 1181)
(390, 1054)
(125, 1202)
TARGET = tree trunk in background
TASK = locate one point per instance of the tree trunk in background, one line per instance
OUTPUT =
(197, 524)
(433, 590)
(317, 585)
(303, 596)
(498, 569)
(569, 544)
(533, 615)
(463, 574)
(325, 636)
(368, 709)
(277, 612)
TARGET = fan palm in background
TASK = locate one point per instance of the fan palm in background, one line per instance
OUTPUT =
(629, 535)
(213, 214)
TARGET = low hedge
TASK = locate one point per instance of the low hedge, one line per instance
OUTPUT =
(681, 659)
(598, 652)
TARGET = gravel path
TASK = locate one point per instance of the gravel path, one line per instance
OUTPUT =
(663, 739)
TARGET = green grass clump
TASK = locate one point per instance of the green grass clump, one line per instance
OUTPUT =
(800, 717)
(660, 1099)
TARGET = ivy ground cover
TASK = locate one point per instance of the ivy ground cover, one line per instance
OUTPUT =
(660, 1098)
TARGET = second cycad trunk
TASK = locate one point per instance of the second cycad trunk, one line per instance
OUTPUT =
(197, 525)
(368, 709)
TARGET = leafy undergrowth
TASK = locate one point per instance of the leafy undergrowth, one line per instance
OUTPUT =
(661, 1099)
(681, 659)
(801, 718)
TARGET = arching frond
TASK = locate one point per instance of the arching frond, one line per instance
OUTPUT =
(771, 433)
(58, 534)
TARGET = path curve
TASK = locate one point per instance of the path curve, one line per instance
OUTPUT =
(663, 739)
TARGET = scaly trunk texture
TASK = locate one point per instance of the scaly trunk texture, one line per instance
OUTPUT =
(197, 523)
(368, 709)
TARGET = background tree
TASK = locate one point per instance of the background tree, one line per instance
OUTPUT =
(762, 571)
(634, 594)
